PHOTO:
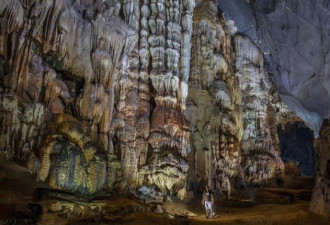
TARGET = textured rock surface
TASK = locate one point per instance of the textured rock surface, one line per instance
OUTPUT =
(242, 15)
(298, 57)
(154, 150)
(232, 108)
(121, 72)
(213, 107)
(321, 193)
(65, 58)
(162, 86)
(72, 162)
(259, 141)
(22, 127)
(291, 34)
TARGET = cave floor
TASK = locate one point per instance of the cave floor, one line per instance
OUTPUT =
(18, 188)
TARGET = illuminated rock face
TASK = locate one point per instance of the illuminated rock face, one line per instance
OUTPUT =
(154, 95)
(321, 192)
(78, 165)
(295, 55)
(260, 151)
(63, 58)
(232, 108)
(118, 71)
(214, 99)
(105, 93)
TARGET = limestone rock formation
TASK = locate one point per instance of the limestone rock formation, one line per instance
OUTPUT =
(297, 68)
(22, 128)
(167, 95)
(94, 60)
(154, 151)
(291, 34)
(214, 99)
(66, 57)
(72, 162)
(232, 108)
(261, 158)
(321, 193)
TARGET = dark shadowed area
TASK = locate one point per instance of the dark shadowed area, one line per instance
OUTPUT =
(296, 143)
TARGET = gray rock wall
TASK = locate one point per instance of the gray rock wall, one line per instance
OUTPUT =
(291, 35)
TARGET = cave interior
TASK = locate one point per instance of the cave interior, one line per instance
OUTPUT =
(127, 111)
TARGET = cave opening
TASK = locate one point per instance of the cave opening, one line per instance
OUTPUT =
(296, 146)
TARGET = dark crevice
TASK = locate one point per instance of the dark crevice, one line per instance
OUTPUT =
(74, 83)
(296, 144)
(328, 169)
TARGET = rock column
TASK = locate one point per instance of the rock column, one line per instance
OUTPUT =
(321, 192)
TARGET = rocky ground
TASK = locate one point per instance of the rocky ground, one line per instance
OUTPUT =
(22, 201)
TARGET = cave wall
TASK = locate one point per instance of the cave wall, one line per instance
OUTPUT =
(153, 95)
(321, 193)
(213, 107)
(233, 109)
(301, 59)
(260, 152)
(119, 94)
(87, 82)
(64, 59)
(290, 33)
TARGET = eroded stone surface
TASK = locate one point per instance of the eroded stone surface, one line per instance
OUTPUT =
(214, 99)
(66, 57)
(321, 192)
(259, 146)
(102, 94)
(290, 34)
(232, 108)
(112, 75)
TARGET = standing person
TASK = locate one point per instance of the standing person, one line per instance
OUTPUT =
(208, 201)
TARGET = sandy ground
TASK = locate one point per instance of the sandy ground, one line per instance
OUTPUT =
(17, 189)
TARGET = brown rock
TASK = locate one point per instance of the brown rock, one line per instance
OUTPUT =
(55, 207)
